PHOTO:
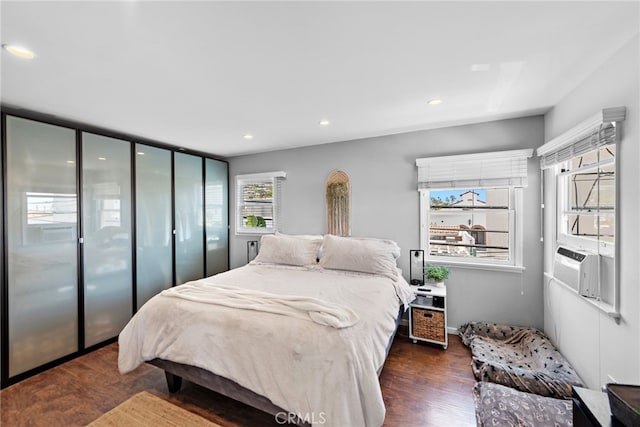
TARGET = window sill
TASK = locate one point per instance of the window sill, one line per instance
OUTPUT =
(250, 233)
(474, 266)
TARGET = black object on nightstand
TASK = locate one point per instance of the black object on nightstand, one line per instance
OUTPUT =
(416, 267)
(252, 250)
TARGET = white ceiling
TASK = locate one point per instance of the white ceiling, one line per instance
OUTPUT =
(200, 75)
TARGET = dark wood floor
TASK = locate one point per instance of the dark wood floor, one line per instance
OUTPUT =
(422, 385)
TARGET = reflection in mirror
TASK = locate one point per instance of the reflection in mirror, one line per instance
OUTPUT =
(216, 216)
(154, 251)
(188, 218)
(106, 215)
(41, 239)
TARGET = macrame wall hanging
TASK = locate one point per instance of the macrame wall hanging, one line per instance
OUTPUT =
(338, 192)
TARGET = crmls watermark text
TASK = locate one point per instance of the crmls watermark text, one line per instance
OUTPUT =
(313, 418)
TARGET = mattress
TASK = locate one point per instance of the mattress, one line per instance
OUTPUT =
(315, 371)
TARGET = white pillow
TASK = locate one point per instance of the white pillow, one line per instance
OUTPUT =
(302, 236)
(366, 255)
(288, 250)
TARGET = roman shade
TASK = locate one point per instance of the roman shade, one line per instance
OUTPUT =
(493, 169)
(597, 131)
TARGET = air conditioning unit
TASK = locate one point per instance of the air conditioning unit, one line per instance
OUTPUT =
(578, 270)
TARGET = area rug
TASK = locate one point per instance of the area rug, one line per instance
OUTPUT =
(144, 409)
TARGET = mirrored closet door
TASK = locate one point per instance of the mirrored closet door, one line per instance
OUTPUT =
(189, 212)
(154, 222)
(216, 198)
(106, 232)
(94, 226)
(42, 243)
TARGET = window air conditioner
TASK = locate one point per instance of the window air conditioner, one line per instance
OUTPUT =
(578, 270)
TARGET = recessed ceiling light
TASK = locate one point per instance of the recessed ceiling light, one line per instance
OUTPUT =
(480, 67)
(19, 51)
(102, 158)
(140, 153)
(247, 136)
(434, 101)
(71, 162)
(324, 122)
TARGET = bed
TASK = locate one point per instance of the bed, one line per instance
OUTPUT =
(301, 332)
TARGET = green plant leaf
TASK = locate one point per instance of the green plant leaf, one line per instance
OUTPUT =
(437, 273)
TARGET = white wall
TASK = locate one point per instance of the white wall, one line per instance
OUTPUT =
(385, 204)
(591, 341)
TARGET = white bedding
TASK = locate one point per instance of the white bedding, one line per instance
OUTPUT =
(306, 308)
(316, 371)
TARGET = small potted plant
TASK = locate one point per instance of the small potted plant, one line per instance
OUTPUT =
(436, 273)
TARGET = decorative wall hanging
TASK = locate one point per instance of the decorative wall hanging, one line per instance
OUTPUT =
(338, 192)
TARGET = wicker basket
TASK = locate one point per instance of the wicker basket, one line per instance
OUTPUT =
(428, 324)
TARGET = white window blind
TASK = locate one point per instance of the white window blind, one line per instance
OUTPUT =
(258, 202)
(495, 169)
(593, 133)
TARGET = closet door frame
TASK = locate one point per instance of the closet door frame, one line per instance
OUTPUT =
(228, 213)
(80, 240)
(79, 129)
(201, 161)
(5, 379)
(4, 288)
(136, 175)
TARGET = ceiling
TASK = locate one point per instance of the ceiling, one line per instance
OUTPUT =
(201, 75)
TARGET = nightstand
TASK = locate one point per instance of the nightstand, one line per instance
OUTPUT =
(428, 315)
(591, 408)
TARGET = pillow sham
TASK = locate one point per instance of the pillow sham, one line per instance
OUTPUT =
(301, 236)
(365, 255)
(288, 250)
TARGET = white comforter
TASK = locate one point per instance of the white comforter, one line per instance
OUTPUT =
(306, 308)
(321, 373)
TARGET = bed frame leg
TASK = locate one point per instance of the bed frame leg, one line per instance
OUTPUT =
(174, 382)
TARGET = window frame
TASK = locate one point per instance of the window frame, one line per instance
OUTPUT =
(259, 178)
(562, 177)
(516, 241)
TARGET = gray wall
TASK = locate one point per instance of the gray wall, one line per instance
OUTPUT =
(596, 346)
(385, 204)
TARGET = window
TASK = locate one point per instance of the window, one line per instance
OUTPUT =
(587, 201)
(583, 161)
(258, 202)
(470, 225)
(471, 208)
